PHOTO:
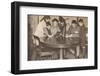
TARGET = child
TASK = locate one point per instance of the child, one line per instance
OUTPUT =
(74, 34)
(40, 27)
(47, 30)
(82, 36)
(54, 29)
(62, 26)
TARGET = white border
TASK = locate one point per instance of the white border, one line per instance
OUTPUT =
(26, 65)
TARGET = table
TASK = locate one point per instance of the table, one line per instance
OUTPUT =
(54, 43)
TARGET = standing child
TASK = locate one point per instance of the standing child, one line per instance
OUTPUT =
(82, 36)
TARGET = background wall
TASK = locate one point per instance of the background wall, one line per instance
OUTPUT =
(5, 37)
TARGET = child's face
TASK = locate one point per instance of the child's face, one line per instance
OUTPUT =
(55, 23)
(47, 20)
(73, 25)
(80, 23)
(62, 23)
(67, 21)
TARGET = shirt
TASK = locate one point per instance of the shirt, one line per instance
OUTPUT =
(39, 30)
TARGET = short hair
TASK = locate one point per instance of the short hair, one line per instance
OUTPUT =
(45, 17)
(54, 20)
(61, 19)
(80, 20)
(74, 21)
(48, 24)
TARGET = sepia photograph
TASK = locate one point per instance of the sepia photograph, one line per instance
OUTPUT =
(57, 37)
(52, 37)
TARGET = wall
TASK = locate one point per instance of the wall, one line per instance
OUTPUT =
(5, 37)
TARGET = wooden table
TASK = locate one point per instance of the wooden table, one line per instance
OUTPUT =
(54, 43)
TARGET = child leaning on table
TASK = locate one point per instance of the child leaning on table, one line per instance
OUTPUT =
(73, 34)
(47, 30)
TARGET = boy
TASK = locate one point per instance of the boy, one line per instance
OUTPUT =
(82, 36)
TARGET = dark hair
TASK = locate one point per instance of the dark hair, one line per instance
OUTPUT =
(74, 21)
(48, 24)
(45, 17)
(54, 20)
(61, 19)
(80, 20)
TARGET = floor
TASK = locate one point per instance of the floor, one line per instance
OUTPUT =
(54, 54)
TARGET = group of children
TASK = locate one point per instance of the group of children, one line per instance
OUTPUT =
(61, 28)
